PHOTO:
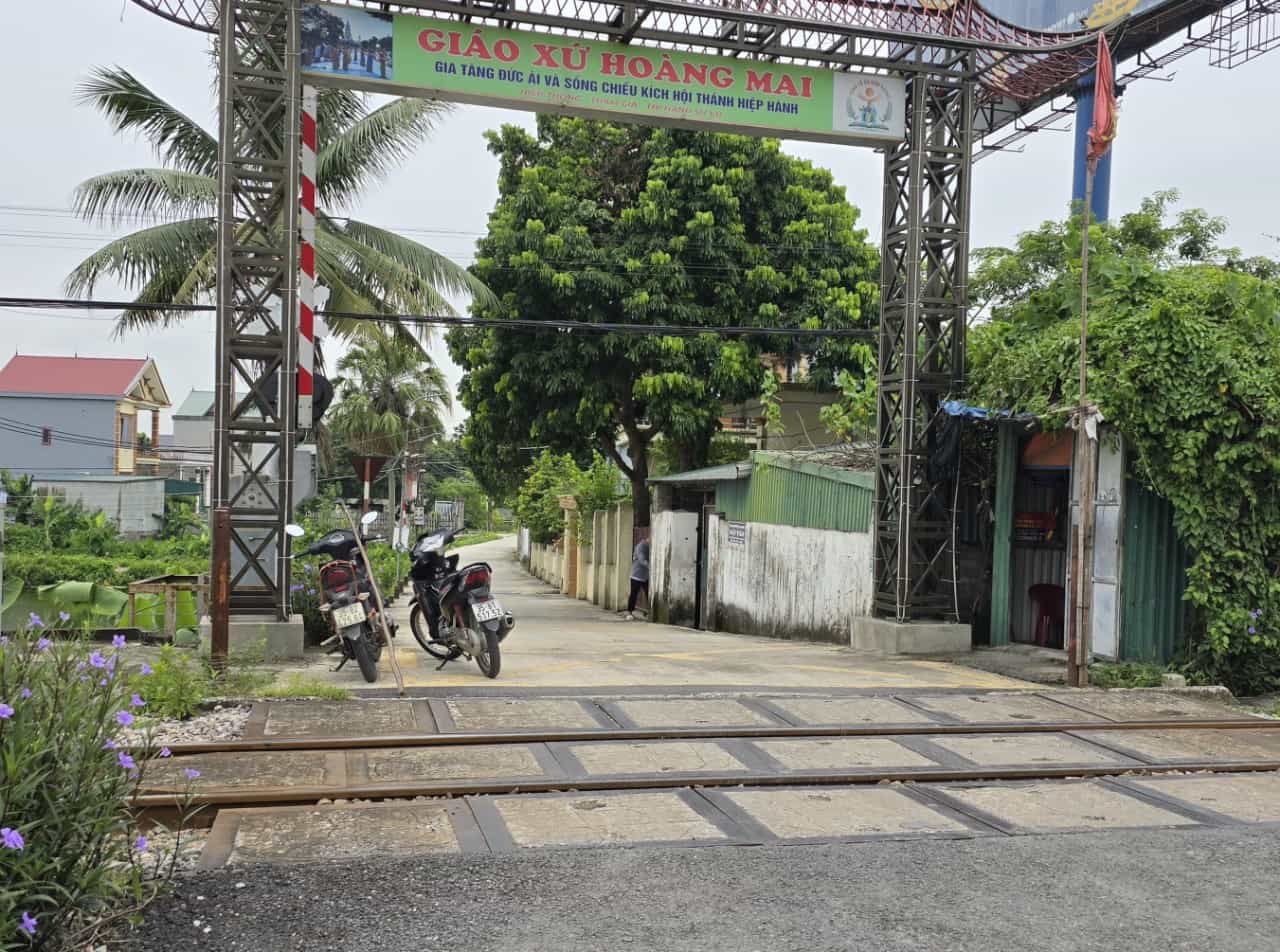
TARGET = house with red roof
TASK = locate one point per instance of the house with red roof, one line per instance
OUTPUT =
(80, 416)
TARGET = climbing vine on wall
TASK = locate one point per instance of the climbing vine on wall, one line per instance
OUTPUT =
(1184, 360)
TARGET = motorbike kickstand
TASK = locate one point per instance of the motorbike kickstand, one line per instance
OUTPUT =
(453, 656)
(345, 659)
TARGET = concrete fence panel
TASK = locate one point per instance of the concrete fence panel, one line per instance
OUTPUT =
(787, 582)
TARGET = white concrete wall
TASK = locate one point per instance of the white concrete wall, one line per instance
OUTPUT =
(786, 582)
(673, 553)
(135, 506)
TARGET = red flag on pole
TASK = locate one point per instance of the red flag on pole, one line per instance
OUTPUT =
(1103, 129)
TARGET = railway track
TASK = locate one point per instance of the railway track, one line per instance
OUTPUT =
(480, 774)
(290, 771)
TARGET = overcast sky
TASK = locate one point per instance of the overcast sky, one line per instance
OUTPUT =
(1212, 134)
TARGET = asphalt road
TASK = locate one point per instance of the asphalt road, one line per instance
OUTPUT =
(1139, 891)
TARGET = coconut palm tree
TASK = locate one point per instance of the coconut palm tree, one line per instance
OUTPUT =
(366, 269)
(393, 396)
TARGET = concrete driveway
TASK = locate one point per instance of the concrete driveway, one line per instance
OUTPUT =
(563, 643)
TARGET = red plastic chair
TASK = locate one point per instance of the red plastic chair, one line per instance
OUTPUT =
(1049, 603)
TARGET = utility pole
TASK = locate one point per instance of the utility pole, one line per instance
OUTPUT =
(1078, 653)
(1100, 134)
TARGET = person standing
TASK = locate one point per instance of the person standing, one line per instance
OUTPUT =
(639, 578)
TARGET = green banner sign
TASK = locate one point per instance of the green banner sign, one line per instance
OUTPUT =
(542, 72)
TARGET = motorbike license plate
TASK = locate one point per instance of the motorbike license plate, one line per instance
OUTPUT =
(348, 615)
(488, 611)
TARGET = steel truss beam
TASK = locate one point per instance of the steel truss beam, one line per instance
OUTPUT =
(923, 300)
(254, 408)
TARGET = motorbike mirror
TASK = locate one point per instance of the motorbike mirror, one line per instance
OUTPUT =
(294, 531)
(369, 518)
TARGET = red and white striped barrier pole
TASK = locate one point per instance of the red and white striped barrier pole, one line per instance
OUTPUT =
(307, 259)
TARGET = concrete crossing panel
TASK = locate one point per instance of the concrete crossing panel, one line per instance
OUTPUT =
(1060, 807)
(602, 820)
(831, 813)
(842, 753)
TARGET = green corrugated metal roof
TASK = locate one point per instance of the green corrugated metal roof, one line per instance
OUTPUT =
(198, 403)
(711, 474)
(786, 491)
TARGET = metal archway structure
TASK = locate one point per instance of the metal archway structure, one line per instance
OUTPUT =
(954, 56)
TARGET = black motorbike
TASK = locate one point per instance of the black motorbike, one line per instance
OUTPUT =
(346, 586)
(453, 613)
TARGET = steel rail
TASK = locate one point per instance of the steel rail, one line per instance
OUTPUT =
(462, 739)
(230, 798)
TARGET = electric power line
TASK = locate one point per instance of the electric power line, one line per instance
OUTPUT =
(446, 320)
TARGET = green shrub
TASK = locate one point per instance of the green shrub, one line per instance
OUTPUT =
(177, 686)
(538, 502)
(71, 853)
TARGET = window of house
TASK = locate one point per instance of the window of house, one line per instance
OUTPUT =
(46, 436)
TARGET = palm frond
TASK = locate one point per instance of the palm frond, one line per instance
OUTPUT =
(445, 276)
(136, 259)
(372, 146)
(165, 287)
(394, 286)
(336, 111)
(133, 193)
(131, 106)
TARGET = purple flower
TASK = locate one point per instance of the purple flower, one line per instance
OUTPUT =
(165, 752)
(140, 844)
(64, 617)
(145, 669)
(4, 640)
(117, 641)
(6, 711)
(24, 693)
(1256, 614)
(126, 761)
(111, 664)
(43, 644)
(191, 774)
(103, 683)
(109, 744)
(35, 621)
(97, 660)
(296, 587)
(1252, 630)
(124, 718)
(28, 924)
(12, 839)
(137, 701)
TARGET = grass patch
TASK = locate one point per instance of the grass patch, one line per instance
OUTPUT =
(244, 682)
(477, 538)
(300, 685)
(1126, 675)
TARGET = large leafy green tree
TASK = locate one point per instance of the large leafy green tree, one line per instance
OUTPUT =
(1184, 361)
(368, 270)
(393, 397)
(605, 223)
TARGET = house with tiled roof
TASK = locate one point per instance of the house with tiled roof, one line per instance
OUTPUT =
(84, 416)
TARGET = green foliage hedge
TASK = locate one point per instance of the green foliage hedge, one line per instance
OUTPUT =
(45, 568)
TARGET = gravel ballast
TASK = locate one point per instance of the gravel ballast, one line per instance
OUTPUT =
(224, 722)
